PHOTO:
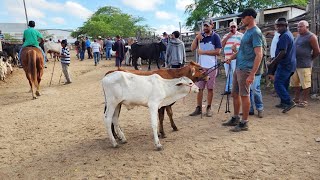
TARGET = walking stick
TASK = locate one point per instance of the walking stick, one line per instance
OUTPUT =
(228, 89)
(60, 77)
(54, 64)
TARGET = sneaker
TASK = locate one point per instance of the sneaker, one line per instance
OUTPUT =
(260, 113)
(209, 112)
(288, 107)
(251, 113)
(242, 126)
(232, 122)
(198, 111)
(281, 106)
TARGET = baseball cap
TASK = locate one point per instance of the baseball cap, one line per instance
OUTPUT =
(248, 12)
(281, 21)
(164, 33)
(99, 36)
(232, 23)
(207, 22)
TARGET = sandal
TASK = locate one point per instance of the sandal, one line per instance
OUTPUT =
(297, 101)
(303, 104)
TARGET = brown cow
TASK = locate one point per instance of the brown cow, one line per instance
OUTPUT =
(32, 62)
(193, 71)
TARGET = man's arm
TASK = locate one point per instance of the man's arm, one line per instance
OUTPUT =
(225, 39)
(257, 60)
(214, 52)
(315, 46)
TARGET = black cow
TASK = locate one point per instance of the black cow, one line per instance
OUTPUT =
(149, 52)
(12, 51)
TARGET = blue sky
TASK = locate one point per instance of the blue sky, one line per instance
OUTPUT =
(163, 15)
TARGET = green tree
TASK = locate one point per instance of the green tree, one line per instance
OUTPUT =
(204, 8)
(110, 21)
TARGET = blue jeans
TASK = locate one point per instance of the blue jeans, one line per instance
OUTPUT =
(255, 94)
(281, 84)
(226, 67)
(44, 56)
(82, 54)
(108, 52)
(96, 56)
(118, 61)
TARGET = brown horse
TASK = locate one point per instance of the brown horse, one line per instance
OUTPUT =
(32, 62)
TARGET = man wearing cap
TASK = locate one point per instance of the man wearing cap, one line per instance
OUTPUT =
(248, 58)
(100, 41)
(233, 38)
(210, 47)
(31, 37)
(176, 53)
(307, 49)
(283, 64)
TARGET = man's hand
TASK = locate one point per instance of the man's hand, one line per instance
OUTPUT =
(271, 77)
(199, 36)
(228, 61)
(250, 79)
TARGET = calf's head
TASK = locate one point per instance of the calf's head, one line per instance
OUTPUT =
(197, 72)
(187, 84)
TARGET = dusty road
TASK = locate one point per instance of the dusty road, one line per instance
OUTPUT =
(61, 135)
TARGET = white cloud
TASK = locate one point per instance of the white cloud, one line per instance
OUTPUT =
(181, 4)
(143, 5)
(169, 29)
(42, 10)
(165, 15)
(77, 10)
(58, 20)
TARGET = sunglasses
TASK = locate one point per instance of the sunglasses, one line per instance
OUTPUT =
(233, 27)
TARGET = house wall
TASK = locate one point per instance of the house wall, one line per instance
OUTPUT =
(60, 35)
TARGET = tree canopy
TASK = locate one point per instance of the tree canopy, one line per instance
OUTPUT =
(205, 8)
(110, 21)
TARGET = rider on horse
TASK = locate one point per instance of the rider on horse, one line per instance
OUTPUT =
(31, 37)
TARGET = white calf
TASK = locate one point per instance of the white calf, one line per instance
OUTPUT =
(134, 90)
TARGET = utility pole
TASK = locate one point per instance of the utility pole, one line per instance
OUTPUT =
(25, 11)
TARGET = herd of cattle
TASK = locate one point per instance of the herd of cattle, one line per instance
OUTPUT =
(161, 88)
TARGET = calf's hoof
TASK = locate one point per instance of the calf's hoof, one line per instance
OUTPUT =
(162, 136)
(38, 93)
(115, 145)
(159, 148)
(34, 98)
(175, 129)
(123, 141)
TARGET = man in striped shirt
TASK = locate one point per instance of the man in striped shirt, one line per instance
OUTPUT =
(233, 38)
(65, 61)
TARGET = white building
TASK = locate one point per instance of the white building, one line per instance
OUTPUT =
(16, 31)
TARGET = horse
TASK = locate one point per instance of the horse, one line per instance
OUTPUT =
(33, 64)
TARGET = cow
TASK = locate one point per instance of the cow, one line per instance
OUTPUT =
(12, 51)
(193, 71)
(52, 47)
(149, 52)
(134, 90)
(33, 64)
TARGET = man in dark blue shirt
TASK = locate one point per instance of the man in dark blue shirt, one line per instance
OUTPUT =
(284, 64)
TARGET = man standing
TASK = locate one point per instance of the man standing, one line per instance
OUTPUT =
(176, 54)
(88, 46)
(118, 47)
(233, 38)
(108, 46)
(248, 58)
(283, 64)
(96, 48)
(1, 36)
(210, 47)
(100, 41)
(165, 41)
(307, 49)
(83, 48)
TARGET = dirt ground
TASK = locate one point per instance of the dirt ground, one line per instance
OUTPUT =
(62, 135)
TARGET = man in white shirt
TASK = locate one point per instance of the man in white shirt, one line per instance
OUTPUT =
(96, 49)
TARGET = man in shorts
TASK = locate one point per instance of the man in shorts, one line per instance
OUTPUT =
(210, 47)
(248, 58)
(307, 49)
